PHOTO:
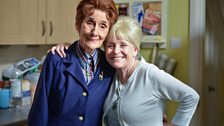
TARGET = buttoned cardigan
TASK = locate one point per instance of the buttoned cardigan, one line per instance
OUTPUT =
(140, 102)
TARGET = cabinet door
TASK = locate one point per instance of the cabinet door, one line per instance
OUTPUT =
(61, 21)
(20, 22)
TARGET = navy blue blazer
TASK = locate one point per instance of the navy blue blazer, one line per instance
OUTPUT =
(62, 97)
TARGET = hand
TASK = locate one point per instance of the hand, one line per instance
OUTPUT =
(171, 124)
(59, 49)
(165, 121)
(167, 124)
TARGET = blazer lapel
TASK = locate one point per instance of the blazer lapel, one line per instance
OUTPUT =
(72, 65)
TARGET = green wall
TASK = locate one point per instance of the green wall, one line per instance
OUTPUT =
(177, 26)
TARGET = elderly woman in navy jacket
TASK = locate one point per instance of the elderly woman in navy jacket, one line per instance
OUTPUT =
(71, 91)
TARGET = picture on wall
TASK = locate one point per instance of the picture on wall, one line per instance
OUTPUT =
(151, 15)
(148, 14)
(152, 18)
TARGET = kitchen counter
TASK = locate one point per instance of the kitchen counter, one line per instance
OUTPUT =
(14, 117)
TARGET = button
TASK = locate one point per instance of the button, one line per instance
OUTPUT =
(84, 94)
(81, 118)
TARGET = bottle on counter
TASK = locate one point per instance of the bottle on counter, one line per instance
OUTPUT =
(26, 93)
(16, 93)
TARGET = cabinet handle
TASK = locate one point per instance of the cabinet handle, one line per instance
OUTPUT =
(51, 28)
(43, 28)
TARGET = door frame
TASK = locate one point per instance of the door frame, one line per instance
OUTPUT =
(196, 38)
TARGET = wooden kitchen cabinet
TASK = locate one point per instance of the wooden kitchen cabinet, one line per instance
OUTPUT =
(37, 21)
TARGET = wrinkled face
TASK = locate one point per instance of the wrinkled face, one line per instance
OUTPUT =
(120, 53)
(93, 31)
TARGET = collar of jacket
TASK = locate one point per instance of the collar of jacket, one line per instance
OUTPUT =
(73, 67)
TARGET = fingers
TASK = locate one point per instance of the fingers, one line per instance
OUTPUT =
(63, 47)
(60, 50)
(171, 124)
(67, 45)
(52, 50)
(165, 124)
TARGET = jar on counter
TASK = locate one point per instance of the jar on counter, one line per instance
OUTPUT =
(33, 79)
(26, 93)
(4, 98)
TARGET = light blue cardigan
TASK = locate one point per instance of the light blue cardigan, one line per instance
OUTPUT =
(141, 102)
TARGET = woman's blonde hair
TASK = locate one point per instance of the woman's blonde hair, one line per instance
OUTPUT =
(128, 29)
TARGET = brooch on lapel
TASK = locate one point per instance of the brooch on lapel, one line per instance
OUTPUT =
(101, 76)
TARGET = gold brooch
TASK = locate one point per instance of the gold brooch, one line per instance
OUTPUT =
(101, 76)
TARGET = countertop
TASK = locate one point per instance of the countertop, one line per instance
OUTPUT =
(14, 117)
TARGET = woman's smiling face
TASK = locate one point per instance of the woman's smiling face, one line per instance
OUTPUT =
(120, 53)
(93, 31)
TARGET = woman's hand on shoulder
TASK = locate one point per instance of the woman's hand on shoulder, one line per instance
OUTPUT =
(59, 49)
